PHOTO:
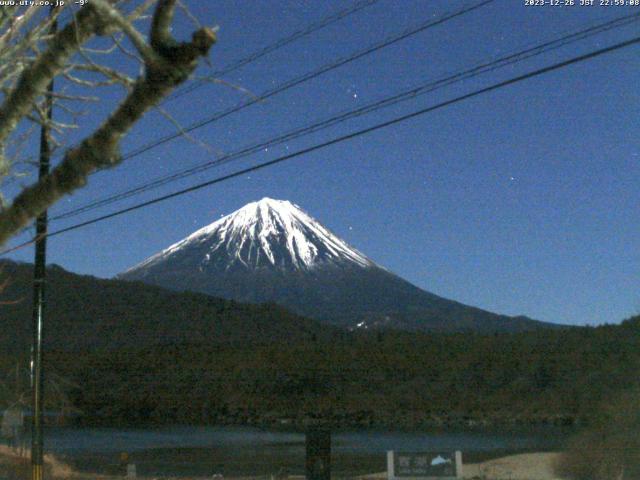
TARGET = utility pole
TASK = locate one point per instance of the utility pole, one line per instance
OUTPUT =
(39, 274)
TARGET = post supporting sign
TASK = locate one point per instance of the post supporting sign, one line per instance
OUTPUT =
(318, 453)
(424, 465)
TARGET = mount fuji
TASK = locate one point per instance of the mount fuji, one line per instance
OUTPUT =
(273, 251)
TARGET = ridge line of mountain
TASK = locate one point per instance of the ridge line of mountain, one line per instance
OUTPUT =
(273, 251)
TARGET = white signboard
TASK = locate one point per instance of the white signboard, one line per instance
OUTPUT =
(131, 470)
(424, 465)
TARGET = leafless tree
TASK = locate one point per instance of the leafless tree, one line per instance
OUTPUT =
(80, 54)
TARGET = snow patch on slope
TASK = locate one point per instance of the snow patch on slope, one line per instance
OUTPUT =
(267, 233)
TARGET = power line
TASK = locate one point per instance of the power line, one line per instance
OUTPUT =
(313, 27)
(343, 138)
(385, 102)
(482, 68)
(309, 76)
(306, 77)
(282, 42)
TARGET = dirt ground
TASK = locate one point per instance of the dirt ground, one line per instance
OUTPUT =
(527, 466)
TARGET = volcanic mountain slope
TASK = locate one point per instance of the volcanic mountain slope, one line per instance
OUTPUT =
(272, 251)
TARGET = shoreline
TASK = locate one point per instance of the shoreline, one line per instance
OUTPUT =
(452, 423)
(187, 452)
(341, 428)
(520, 466)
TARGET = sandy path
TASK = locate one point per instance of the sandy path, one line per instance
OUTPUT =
(526, 466)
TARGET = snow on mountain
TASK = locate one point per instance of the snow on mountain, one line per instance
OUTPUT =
(272, 251)
(264, 234)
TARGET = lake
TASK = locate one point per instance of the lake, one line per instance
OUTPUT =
(205, 451)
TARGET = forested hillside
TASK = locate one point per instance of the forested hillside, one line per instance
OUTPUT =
(87, 313)
(556, 377)
(142, 355)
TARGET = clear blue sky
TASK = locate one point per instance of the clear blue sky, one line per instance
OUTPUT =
(521, 201)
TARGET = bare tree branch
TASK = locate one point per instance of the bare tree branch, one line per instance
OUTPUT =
(138, 40)
(34, 80)
(169, 64)
(141, 10)
(187, 135)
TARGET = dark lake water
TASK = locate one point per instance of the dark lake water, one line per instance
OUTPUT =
(205, 451)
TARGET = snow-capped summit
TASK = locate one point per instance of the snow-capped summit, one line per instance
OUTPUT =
(272, 251)
(264, 234)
